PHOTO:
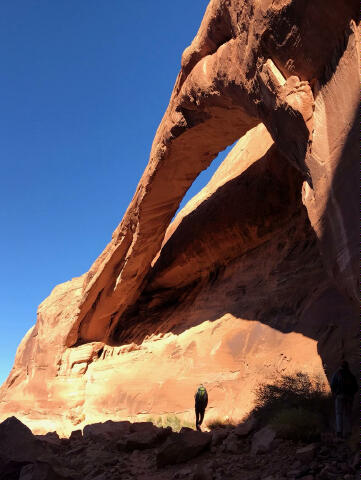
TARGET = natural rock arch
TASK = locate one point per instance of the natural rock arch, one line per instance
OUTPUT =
(228, 83)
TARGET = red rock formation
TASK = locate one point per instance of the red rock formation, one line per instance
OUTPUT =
(257, 271)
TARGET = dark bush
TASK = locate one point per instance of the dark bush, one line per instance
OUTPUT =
(298, 424)
(292, 398)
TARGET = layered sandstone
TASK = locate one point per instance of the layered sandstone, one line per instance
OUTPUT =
(257, 275)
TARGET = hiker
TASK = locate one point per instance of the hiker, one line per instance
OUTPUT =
(343, 386)
(201, 401)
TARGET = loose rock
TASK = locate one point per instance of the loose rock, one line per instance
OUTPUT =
(245, 428)
(262, 440)
(108, 430)
(306, 454)
(182, 447)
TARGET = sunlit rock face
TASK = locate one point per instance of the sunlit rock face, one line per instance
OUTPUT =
(257, 275)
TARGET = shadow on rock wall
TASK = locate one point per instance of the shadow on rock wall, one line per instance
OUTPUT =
(255, 260)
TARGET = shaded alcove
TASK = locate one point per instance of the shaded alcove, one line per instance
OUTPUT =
(256, 259)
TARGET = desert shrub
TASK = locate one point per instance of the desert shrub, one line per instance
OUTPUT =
(219, 422)
(298, 424)
(173, 421)
(156, 421)
(292, 393)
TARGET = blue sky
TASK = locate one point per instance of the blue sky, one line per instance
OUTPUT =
(83, 87)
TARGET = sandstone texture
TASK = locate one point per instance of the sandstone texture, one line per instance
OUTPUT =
(257, 275)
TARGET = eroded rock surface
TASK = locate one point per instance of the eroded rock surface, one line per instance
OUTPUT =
(257, 275)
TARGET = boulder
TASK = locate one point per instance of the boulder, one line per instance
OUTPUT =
(262, 440)
(218, 435)
(181, 447)
(142, 440)
(245, 428)
(76, 435)
(18, 443)
(52, 441)
(142, 427)
(108, 430)
(185, 429)
(51, 437)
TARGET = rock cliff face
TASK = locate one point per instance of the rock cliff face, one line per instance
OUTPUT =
(257, 275)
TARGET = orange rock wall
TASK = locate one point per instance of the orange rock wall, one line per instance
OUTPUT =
(257, 275)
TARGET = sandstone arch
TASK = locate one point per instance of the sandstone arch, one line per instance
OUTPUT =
(252, 62)
(228, 84)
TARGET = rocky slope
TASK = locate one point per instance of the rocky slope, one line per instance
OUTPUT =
(258, 274)
(124, 451)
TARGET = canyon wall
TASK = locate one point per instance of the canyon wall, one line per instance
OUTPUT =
(257, 275)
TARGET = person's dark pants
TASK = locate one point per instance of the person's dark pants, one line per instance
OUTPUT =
(343, 407)
(199, 415)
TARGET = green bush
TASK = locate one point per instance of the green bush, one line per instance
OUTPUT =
(172, 421)
(292, 391)
(298, 424)
(156, 421)
(298, 406)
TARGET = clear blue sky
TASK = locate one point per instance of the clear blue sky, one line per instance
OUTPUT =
(83, 87)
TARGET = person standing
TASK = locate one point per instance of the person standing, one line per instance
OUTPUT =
(201, 402)
(343, 386)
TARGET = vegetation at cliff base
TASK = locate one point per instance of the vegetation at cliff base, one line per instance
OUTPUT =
(298, 407)
(219, 422)
(170, 420)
